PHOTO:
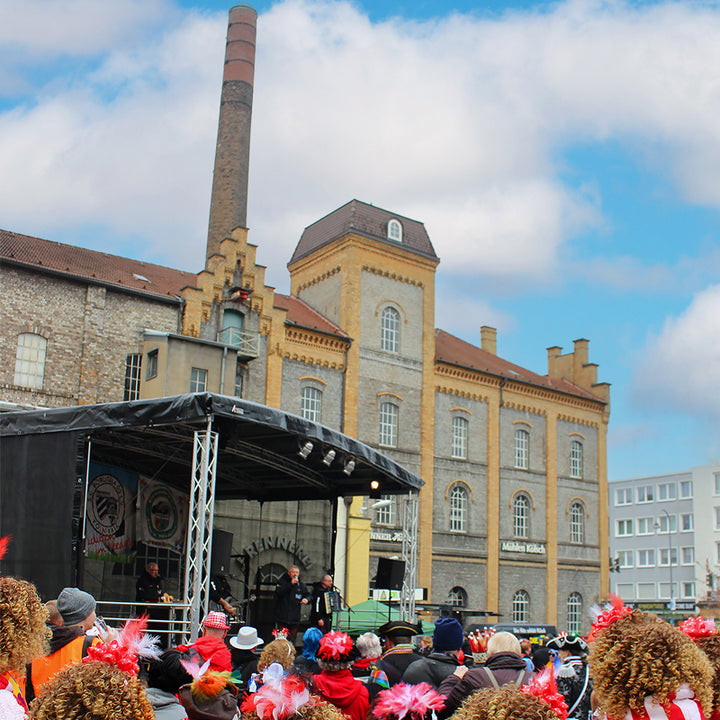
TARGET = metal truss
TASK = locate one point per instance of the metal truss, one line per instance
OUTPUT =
(409, 555)
(201, 514)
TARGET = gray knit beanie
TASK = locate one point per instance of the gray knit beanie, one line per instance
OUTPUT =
(74, 605)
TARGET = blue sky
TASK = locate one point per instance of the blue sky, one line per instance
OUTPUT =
(563, 156)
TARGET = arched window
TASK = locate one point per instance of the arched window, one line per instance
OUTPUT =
(521, 512)
(577, 523)
(311, 403)
(574, 612)
(457, 597)
(388, 424)
(458, 509)
(390, 329)
(522, 449)
(520, 606)
(394, 231)
(459, 437)
(30, 361)
(576, 459)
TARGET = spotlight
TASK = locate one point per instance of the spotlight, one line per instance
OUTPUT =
(381, 503)
(305, 450)
(374, 484)
(349, 467)
(329, 457)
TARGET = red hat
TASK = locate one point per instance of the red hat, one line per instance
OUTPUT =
(216, 620)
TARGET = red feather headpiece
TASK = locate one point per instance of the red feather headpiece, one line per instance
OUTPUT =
(543, 686)
(278, 700)
(407, 701)
(697, 627)
(335, 646)
(130, 643)
(4, 542)
(613, 613)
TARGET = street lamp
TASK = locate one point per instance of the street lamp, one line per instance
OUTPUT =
(672, 594)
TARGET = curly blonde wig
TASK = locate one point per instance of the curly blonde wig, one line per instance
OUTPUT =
(639, 656)
(23, 632)
(321, 710)
(279, 651)
(710, 645)
(506, 703)
(94, 690)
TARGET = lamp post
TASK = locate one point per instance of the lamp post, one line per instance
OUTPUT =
(672, 594)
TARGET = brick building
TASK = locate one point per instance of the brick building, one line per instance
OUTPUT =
(513, 514)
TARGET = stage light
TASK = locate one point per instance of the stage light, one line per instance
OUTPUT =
(305, 450)
(374, 484)
(381, 503)
(349, 467)
(329, 457)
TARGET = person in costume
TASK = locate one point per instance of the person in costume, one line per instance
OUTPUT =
(280, 650)
(306, 663)
(573, 676)
(165, 678)
(704, 633)
(210, 696)
(335, 683)
(407, 702)
(211, 644)
(24, 636)
(448, 640)
(645, 669)
(398, 651)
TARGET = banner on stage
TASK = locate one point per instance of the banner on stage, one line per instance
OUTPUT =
(110, 516)
(162, 515)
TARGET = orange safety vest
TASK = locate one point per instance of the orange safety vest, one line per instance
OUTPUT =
(44, 668)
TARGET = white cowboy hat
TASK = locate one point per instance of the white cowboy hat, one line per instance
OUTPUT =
(246, 638)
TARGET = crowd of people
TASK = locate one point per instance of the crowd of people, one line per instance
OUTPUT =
(58, 662)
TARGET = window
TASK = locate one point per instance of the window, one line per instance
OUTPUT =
(520, 606)
(311, 403)
(132, 377)
(624, 528)
(574, 611)
(688, 589)
(152, 364)
(458, 509)
(459, 437)
(623, 496)
(394, 231)
(686, 522)
(667, 524)
(686, 489)
(625, 558)
(645, 526)
(390, 329)
(665, 555)
(239, 378)
(646, 591)
(667, 491)
(457, 597)
(385, 514)
(717, 482)
(645, 494)
(521, 507)
(576, 459)
(645, 558)
(522, 449)
(664, 591)
(30, 361)
(717, 552)
(717, 518)
(577, 523)
(625, 590)
(388, 424)
(688, 555)
(198, 380)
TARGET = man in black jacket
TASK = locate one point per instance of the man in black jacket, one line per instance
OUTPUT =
(290, 594)
(448, 640)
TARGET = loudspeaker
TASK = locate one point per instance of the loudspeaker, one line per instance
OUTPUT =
(222, 541)
(390, 574)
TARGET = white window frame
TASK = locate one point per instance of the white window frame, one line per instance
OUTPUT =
(645, 494)
(687, 522)
(688, 555)
(626, 558)
(395, 230)
(645, 526)
(390, 329)
(576, 460)
(153, 362)
(667, 492)
(198, 380)
(717, 518)
(664, 587)
(388, 424)
(667, 524)
(520, 606)
(663, 554)
(624, 527)
(458, 509)
(646, 591)
(645, 558)
(133, 375)
(716, 476)
(311, 403)
(577, 523)
(30, 357)
(459, 437)
(385, 515)
(521, 516)
(623, 496)
(574, 612)
(688, 589)
(522, 448)
(686, 489)
(457, 597)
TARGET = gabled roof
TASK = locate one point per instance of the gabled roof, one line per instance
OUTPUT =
(301, 314)
(367, 220)
(93, 266)
(454, 351)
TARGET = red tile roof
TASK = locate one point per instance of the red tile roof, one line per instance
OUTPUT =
(301, 314)
(92, 265)
(366, 220)
(454, 351)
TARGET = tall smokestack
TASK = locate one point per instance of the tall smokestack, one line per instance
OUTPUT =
(228, 205)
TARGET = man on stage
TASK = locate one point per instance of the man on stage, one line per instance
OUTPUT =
(290, 594)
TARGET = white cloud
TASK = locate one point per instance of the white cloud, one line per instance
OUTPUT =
(463, 316)
(680, 367)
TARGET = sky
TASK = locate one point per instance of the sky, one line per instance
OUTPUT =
(563, 156)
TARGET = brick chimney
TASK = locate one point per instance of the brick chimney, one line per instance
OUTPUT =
(488, 339)
(228, 204)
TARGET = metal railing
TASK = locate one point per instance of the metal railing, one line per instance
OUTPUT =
(170, 621)
(247, 343)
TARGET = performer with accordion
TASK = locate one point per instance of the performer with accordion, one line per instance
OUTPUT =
(325, 600)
